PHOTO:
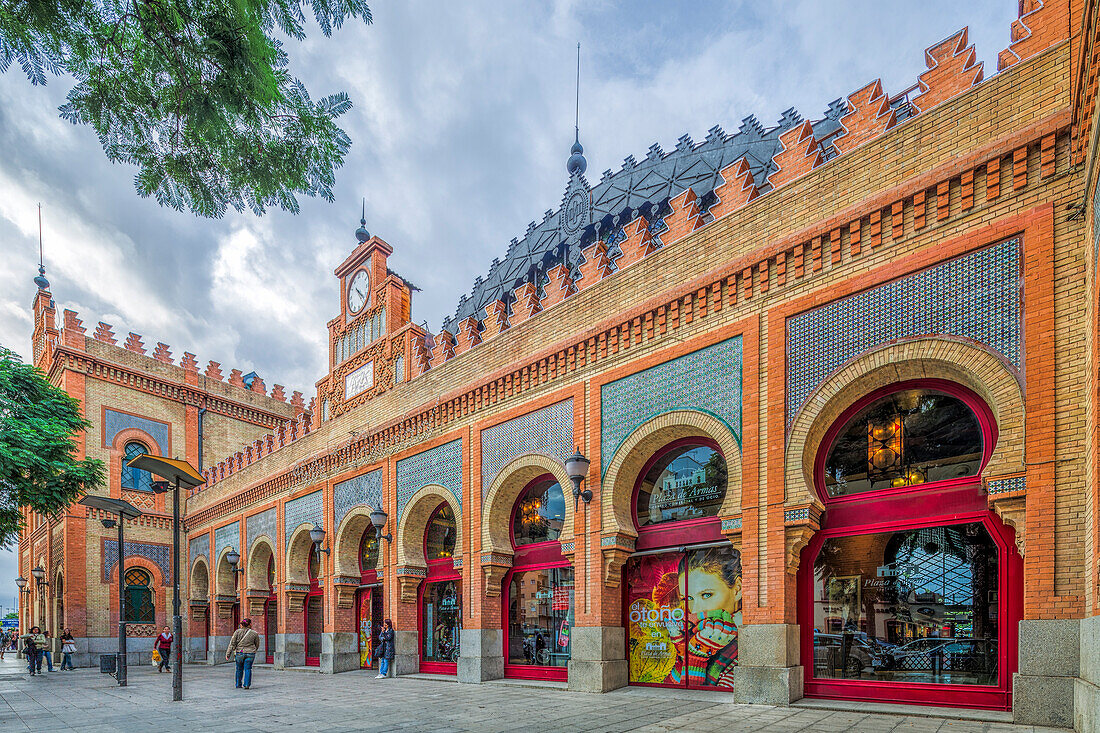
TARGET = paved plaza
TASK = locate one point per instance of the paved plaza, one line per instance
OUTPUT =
(355, 701)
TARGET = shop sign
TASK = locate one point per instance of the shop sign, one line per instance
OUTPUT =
(561, 600)
(359, 380)
(542, 595)
(429, 626)
(563, 635)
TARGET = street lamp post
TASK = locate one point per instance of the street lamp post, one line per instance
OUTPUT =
(125, 510)
(183, 475)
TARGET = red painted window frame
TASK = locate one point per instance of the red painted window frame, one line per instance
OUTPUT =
(314, 591)
(671, 536)
(532, 556)
(272, 597)
(953, 501)
(439, 570)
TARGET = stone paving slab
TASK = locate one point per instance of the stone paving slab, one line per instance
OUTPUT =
(355, 701)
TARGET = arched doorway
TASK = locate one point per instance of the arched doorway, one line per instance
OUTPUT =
(682, 595)
(539, 589)
(368, 600)
(314, 610)
(911, 592)
(440, 609)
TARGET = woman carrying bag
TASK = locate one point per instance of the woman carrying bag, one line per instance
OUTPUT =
(164, 649)
(388, 650)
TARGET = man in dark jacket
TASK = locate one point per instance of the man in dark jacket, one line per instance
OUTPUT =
(387, 650)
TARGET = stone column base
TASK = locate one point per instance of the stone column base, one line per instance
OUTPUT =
(339, 652)
(407, 660)
(1050, 662)
(481, 655)
(768, 672)
(597, 676)
(768, 685)
(598, 659)
(218, 647)
(1086, 690)
(290, 650)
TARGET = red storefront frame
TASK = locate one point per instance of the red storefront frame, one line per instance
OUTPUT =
(955, 501)
(535, 556)
(315, 591)
(439, 570)
(674, 537)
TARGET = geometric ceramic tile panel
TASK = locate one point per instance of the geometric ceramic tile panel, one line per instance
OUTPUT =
(548, 431)
(227, 536)
(157, 554)
(260, 525)
(200, 547)
(1005, 485)
(306, 508)
(441, 465)
(708, 380)
(115, 422)
(365, 489)
(976, 296)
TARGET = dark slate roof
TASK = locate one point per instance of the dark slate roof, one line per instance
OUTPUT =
(643, 186)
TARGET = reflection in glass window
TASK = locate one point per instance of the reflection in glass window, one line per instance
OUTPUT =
(918, 605)
(439, 539)
(687, 482)
(904, 439)
(540, 513)
(314, 562)
(134, 478)
(540, 617)
(442, 617)
(368, 550)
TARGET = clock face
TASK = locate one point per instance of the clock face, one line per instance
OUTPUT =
(359, 291)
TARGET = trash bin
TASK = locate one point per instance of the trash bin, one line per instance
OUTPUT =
(107, 663)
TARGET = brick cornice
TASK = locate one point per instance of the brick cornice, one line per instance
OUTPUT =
(92, 366)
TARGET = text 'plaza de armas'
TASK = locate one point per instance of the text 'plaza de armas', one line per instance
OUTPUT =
(833, 383)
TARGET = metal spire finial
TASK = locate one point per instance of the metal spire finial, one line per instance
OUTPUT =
(576, 163)
(361, 233)
(41, 281)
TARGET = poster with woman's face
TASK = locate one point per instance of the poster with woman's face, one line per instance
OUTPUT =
(684, 610)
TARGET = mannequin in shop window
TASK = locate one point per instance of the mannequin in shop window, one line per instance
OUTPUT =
(709, 582)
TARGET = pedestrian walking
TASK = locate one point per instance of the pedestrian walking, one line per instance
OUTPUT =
(388, 650)
(243, 646)
(4, 641)
(164, 649)
(68, 648)
(46, 653)
(34, 643)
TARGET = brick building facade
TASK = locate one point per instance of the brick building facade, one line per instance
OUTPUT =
(836, 380)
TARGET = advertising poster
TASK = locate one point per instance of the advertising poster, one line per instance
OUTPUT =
(366, 638)
(683, 615)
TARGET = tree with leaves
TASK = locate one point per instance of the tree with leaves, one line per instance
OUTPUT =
(39, 468)
(194, 93)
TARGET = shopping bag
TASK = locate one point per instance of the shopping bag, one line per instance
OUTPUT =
(156, 658)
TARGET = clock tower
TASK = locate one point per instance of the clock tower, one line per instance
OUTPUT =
(371, 340)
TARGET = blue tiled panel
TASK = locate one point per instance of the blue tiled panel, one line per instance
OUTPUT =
(159, 554)
(441, 465)
(115, 422)
(548, 431)
(363, 490)
(976, 296)
(308, 508)
(1005, 485)
(708, 380)
(227, 536)
(200, 547)
(260, 525)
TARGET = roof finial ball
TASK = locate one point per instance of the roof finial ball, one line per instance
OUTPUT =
(576, 163)
(361, 233)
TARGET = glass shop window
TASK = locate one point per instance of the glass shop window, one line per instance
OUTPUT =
(439, 539)
(687, 481)
(539, 514)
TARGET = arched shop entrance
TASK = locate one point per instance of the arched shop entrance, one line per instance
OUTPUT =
(271, 615)
(539, 589)
(440, 595)
(683, 585)
(368, 599)
(911, 592)
(314, 610)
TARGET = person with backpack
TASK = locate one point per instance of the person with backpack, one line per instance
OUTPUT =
(243, 646)
(68, 648)
(34, 644)
(164, 649)
(387, 651)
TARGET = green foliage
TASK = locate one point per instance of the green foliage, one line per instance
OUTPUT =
(194, 93)
(39, 469)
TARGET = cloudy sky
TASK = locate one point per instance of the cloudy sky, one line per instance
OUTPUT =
(462, 122)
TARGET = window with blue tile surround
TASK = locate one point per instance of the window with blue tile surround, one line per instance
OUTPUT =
(548, 431)
(260, 525)
(362, 490)
(199, 547)
(115, 422)
(976, 296)
(707, 380)
(308, 508)
(440, 465)
(157, 554)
